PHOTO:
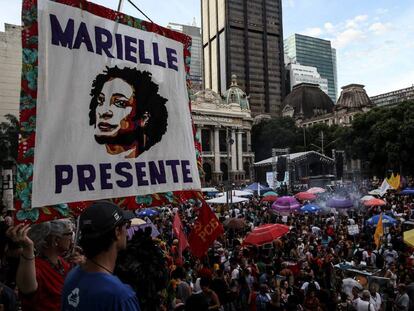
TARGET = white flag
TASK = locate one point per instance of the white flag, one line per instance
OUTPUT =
(384, 187)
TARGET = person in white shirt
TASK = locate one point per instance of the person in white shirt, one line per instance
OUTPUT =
(363, 303)
(375, 299)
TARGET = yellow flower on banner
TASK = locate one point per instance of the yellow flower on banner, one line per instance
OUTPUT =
(379, 232)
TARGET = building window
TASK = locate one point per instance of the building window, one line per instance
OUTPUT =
(205, 140)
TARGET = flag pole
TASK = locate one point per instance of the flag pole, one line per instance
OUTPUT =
(121, 2)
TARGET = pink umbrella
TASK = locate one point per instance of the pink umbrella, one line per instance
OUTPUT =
(285, 204)
(316, 190)
(303, 196)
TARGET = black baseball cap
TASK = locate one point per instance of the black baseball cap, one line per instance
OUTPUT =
(101, 217)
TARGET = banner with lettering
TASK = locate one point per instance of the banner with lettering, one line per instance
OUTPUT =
(206, 229)
(104, 111)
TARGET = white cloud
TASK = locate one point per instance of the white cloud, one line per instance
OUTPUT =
(346, 37)
(354, 23)
(313, 32)
(380, 28)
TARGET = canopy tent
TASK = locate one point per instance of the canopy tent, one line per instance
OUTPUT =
(256, 187)
(238, 193)
(375, 192)
(209, 189)
(223, 200)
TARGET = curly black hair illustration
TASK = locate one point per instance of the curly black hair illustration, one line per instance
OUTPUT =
(150, 118)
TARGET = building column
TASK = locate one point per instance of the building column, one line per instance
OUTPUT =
(240, 151)
(249, 141)
(216, 150)
(233, 151)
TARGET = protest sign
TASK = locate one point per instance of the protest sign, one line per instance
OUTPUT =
(104, 108)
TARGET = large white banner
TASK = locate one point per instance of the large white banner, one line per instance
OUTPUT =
(112, 110)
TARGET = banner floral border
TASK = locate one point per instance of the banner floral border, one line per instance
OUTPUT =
(28, 99)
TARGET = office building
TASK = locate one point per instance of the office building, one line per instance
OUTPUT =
(245, 38)
(394, 97)
(315, 52)
(196, 58)
(305, 74)
(10, 68)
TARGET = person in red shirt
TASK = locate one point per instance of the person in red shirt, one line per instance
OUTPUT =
(40, 277)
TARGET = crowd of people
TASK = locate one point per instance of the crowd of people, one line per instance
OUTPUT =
(317, 265)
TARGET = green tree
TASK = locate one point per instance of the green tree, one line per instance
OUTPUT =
(384, 136)
(278, 132)
(9, 136)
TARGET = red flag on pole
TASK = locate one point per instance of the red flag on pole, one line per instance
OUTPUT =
(206, 230)
(179, 233)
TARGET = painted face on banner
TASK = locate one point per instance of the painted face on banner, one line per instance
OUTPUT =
(116, 109)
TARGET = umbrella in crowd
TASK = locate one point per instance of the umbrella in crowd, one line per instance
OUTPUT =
(375, 202)
(137, 222)
(235, 223)
(407, 191)
(269, 193)
(366, 198)
(147, 212)
(339, 203)
(408, 237)
(310, 208)
(265, 234)
(316, 190)
(305, 196)
(285, 204)
(386, 220)
(269, 198)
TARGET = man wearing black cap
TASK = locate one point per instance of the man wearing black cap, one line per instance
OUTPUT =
(92, 286)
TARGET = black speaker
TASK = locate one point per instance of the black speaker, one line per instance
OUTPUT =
(281, 167)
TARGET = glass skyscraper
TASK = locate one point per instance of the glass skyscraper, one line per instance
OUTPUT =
(315, 52)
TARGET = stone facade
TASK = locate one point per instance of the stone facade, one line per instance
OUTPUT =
(10, 68)
(223, 127)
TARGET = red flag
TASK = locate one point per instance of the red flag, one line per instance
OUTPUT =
(179, 233)
(205, 231)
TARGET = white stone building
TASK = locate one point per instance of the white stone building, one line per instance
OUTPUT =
(223, 126)
(10, 68)
(306, 74)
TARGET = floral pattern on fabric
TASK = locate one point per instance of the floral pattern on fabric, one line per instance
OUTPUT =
(28, 100)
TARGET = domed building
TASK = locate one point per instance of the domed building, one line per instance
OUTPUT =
(224, 126)
(309, 105)
(307, 101)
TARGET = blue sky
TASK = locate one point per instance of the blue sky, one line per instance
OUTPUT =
(374, 38)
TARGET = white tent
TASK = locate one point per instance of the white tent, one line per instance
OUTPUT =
(238, 193)
(223, 200)
(209, 189)
(375, 192)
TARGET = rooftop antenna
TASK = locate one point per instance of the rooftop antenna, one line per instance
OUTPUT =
(194, 22)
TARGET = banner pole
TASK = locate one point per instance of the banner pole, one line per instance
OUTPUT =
(121, 2)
